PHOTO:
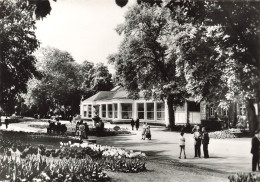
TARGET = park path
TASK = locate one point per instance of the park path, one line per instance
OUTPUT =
(227, 156)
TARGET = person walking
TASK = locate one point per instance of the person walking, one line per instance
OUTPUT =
(132, 123)
(6, 122)
(137, 124)
(182, 145)
(205, 142)
(197, 142)
(144, 131)
(255, 151)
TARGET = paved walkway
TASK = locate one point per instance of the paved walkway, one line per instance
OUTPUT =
(226, 155)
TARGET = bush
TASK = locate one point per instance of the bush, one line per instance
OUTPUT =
(245, 177)
(211, 125)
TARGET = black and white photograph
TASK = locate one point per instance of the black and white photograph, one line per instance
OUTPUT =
(129, 90)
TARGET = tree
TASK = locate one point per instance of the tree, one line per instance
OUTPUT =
(228, 31)
(59, 87)
(95, 78)
(142, 61)
(17, 43)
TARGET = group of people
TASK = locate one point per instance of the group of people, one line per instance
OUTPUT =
(82, 130)
(200, 138)
(56, 127)
(146, 133)
(135, 123)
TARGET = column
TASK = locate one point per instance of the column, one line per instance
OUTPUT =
(119, 114)
(155, 111)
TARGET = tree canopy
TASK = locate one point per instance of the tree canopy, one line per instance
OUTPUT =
(142, 60)
(17, 43)
(64, 82)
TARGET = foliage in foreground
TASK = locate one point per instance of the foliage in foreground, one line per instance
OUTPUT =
(35, 168)
(245, 177)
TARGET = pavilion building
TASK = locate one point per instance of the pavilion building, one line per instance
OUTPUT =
(116, 106)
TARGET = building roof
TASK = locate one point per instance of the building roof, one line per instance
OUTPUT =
(101, 96)
(116, 93)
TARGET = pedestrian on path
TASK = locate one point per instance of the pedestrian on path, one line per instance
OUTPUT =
(132, 123)
(255, 151)
(182, 145)
(197, 142)
(144, 131)
(6, 122)
(205, 142)
(137, 123)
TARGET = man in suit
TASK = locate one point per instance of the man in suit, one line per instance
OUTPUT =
(255, 150)
(205, 142)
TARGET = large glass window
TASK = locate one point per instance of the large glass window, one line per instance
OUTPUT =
(126, 111)
(140, 110)
(110, 110)
(115, 110)
(84, 110)
(104, 110)
(160, 111)
(150, 111)
(89, 111)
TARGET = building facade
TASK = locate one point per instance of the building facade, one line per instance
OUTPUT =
(116, 106)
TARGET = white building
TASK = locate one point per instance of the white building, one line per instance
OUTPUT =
(116, 106)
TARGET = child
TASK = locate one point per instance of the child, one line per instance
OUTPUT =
(182, 145)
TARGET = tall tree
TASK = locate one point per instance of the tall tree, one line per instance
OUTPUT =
(17, 43)
(60, 84)
(142, 61)
(230, 31)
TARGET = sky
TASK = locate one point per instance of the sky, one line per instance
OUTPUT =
(84, 28)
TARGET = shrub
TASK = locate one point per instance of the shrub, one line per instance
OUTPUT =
(244, 177)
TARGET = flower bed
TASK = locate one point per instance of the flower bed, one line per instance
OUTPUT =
(35, 168)
(109, 158)
(92, 131)
(245, 177)
(222, 134)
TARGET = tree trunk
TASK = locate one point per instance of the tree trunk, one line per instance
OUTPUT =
(251, 115)
(170, 112)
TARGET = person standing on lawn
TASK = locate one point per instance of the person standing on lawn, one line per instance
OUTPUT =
(182, 145)
(255, 151)
(137, 123)
(205, 142)
(132, 123)
(197, 142)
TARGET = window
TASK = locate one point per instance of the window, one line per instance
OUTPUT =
(160, 111)
(140, 110)
(104, 110)
(150, 111)
(84, 110)
(211, 111)
(126, 111)
(89, 111)
(115, 110)
(110, 110)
